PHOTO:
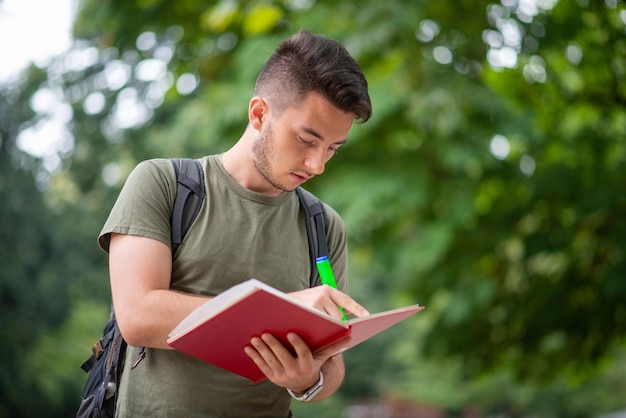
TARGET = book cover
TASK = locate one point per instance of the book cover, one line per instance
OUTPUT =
(218, 330)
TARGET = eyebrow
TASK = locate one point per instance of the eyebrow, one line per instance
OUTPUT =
(316, 134)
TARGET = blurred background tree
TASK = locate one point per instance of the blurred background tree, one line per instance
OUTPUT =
(488, 186)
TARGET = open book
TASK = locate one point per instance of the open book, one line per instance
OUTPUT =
(218, 330)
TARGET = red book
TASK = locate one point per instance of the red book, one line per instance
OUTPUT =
(218, 330)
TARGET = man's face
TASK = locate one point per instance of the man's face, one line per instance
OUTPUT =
(296, 144)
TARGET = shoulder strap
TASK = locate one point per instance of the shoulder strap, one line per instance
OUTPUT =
(189, 196)
(315, 229)
(190, 193)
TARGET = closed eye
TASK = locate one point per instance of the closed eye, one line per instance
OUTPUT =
(306, 142)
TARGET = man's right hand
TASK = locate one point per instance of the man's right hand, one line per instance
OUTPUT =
(328, 300)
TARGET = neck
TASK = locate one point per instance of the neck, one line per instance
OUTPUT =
(239, 163)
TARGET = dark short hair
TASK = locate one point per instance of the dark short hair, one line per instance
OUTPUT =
(307, 62)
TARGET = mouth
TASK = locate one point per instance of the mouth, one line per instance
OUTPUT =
(300, 178)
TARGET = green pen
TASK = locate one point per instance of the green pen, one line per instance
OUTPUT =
(327, 276)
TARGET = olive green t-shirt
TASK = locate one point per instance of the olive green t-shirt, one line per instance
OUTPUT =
(239, 234)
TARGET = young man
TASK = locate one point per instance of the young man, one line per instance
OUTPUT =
(250, 225)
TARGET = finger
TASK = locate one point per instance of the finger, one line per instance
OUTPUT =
(334, 310)
(334, 349)
(259, 350)
(347, 303)
(280, 357)
(313, 360)
(256, 357)
(276, 350)
(278, 363)
(302, 350)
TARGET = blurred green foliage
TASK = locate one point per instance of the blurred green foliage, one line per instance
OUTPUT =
(488, 186)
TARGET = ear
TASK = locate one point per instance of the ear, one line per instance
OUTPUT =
(258, 110)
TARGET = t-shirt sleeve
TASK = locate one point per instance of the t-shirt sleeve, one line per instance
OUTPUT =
(144, 205)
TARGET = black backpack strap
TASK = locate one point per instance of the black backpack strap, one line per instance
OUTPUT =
(104, 368)
(190, 193)
(105, 364)
(315, 229)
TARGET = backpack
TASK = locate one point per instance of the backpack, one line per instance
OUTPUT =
(106, 363)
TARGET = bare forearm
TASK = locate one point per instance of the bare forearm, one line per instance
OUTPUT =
(334, 371)
(145, 307)
(149, 322)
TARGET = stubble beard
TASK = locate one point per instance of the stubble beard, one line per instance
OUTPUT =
(263, 154)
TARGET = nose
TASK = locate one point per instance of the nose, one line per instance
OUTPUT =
(315, 163)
